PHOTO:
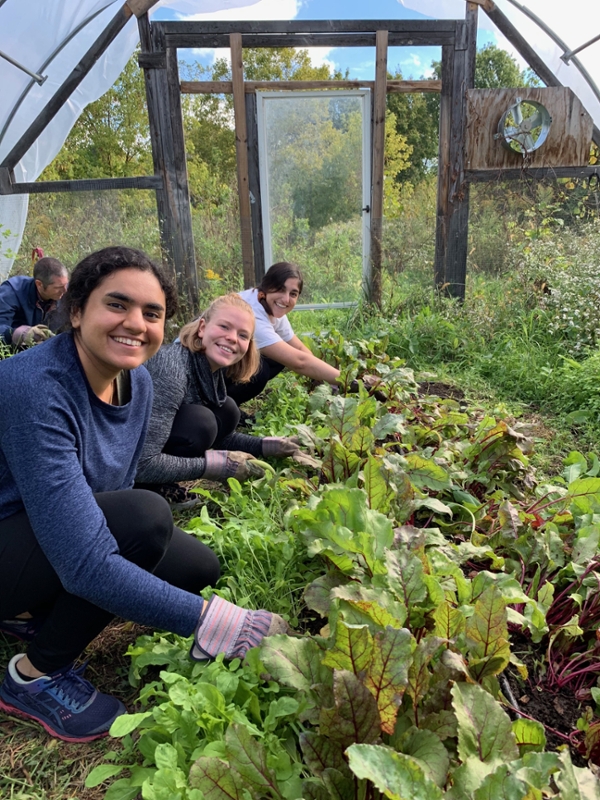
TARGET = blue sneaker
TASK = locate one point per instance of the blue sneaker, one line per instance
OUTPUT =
(23, 629)
(64, 702)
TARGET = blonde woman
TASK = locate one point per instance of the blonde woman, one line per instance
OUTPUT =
(191, 432)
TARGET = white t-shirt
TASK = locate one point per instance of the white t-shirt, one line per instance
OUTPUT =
(267, 331)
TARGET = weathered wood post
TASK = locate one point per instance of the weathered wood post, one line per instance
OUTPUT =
(241, 146)
(379, 108)
(258, 242)
(458, 75)
(168, 154)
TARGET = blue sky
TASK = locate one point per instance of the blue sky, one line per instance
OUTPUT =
(412, 62)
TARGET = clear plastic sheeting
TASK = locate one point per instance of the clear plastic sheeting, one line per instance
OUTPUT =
(314, 155)
(50, 40)
(575, 23)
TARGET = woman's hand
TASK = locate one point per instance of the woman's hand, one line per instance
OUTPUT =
(223, 464)
(280, 446)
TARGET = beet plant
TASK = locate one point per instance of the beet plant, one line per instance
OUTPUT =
(413, 549)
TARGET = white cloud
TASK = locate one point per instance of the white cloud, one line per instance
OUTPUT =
(263, 10)
(318, 57)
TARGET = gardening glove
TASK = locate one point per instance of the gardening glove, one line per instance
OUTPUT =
(226, 628)
(25, 335)
(223, 464)
(280, 446)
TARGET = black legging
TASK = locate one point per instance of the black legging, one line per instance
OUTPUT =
(242, 392)
(197, 428)
(142, 525)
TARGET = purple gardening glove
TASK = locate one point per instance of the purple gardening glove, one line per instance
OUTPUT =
(223, 464)
(25, 335)
(280, 446)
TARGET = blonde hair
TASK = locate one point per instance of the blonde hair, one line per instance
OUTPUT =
(246, 367)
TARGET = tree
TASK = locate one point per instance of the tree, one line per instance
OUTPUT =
(111, 138)
(208, 119)
(497, 69)
(416, 119)
(276, 64)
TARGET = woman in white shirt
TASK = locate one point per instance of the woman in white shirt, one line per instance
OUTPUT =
(271, 301)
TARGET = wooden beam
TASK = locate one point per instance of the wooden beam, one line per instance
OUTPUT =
(258, 244)
(241, 146)
(181, 192)
(458, 74)
(87, 185)
(68, 86)
(226, 87)
(538, 173)
(166, 137)
(140, 7)
(396, 39)
(379, 109)
(410, 27)
(458, 224)
(154, 115)
(408, 87)
(443, 178)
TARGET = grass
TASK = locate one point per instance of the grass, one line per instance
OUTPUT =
(506, 349)
(33, 765)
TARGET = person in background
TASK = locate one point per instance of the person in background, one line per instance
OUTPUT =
(27, 304)
(279, 347)
(78, 545)
(191, 431)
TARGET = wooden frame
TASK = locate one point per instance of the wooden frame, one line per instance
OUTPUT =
(158, 58)
(347, 33)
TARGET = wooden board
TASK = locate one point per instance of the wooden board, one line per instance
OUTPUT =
(226, 87)
(241, 147)
(379, 109)
(568, 142)
(412, 27)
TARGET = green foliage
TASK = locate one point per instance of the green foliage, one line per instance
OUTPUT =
(398, 691)
(497, 69)
(111, 137)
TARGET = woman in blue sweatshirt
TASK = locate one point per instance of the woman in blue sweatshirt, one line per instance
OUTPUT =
(78, 545)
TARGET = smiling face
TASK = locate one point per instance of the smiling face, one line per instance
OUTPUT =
(121, 327)
(283, 300)
(226, 336)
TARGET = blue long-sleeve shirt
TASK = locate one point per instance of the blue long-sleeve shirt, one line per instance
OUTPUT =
(59, 443)
(19, 305)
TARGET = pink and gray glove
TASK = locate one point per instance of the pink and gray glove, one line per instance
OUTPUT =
(226, 628)
(223, 464)
(280, 446)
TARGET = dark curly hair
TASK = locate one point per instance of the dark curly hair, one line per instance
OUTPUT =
(95, 268)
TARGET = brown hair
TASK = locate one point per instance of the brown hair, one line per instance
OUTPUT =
(274, 281)
(246, 367)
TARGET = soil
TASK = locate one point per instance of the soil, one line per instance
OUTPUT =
(441, 390)
(558, 711)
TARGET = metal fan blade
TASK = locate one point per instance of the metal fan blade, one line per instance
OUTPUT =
(517, 113)
(534, 121)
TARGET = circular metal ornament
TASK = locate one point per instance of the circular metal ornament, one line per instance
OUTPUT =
(524, 127)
